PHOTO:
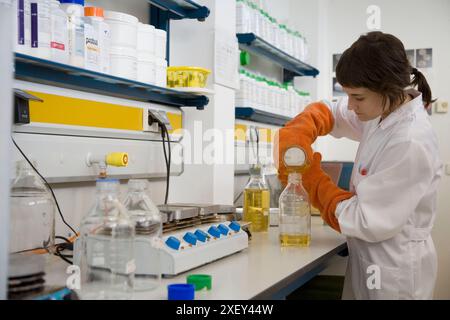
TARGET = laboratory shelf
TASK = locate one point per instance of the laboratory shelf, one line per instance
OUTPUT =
(254, 44)
(182, 9)
(61, 75)
(256, 115)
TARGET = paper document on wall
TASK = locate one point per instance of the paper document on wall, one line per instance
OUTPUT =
(226, 50)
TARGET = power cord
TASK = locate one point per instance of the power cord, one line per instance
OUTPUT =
(165, 133)
(48, 186)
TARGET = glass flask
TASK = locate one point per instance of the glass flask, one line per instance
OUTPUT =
(106, 247)
(32, 223)
(148, 227)
(257, 201)
(295, 214)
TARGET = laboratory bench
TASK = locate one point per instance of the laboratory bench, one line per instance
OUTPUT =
(262, 271)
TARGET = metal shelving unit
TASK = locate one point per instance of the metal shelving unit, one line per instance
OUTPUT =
(60, 75)
(292, 66)
(256, 115)
(181, 9)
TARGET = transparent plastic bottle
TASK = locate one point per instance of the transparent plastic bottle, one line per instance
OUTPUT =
(32, 212)
(105, 248)
(148, 227)
(295, 214)
(257, 201)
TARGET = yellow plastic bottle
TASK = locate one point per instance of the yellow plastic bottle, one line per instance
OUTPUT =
(257, 201)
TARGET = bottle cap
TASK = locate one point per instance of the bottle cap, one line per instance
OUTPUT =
(93, 12)
(80, 2)
(181, 291)
(200, 281)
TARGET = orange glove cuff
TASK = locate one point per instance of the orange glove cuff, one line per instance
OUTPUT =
(323, 193)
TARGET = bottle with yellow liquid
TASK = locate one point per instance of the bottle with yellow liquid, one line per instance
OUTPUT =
(295, 214)
(257, 201)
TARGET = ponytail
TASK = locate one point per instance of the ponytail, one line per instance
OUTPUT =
(421, 83)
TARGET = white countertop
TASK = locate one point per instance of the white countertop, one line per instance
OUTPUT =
(260, 271)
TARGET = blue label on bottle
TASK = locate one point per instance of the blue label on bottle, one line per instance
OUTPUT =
(34, 25)
(21, 21)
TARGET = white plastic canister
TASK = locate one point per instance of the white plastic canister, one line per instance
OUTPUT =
(160, 43)
(123, 29)
(123, 62)
(146, 39)
(161, 72)
(146, 68)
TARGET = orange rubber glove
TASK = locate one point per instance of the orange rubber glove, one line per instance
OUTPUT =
(316, 120)
(323, 193)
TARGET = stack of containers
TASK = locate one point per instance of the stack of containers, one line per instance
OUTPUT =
(250, 18)
(160, 58)
(123, 44)
(268, 95)
(146, 62)
(97, 36)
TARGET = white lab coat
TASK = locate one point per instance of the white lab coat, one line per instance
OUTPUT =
(388, 221)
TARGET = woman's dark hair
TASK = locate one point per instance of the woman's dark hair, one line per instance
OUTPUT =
(377, 61)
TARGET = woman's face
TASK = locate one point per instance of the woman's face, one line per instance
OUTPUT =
(367, 105)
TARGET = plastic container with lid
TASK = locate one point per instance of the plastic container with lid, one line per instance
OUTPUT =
(40, 28)
(59, 51)
(98, 42)
(76, 39)
(123, 62)
(146, 39)
(161, 72)
(146, 68)
(123, 29)
(160, 43)
(183, 76)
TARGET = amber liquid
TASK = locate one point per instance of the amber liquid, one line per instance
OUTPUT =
(295, 240)
(256, 209)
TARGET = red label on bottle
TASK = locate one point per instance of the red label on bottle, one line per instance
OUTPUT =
(56, 45)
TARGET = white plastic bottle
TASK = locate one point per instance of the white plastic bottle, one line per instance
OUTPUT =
(76, 39)
(97, 40)
(59, 51)
(40, 29)
(242, 17)
(22, 26)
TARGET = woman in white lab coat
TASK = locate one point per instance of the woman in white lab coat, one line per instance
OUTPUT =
(388, 214)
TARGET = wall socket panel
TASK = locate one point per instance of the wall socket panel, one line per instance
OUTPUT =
(441, 106)
(145, 126)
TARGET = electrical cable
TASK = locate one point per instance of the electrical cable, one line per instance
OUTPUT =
(168, 159)
(47, 184)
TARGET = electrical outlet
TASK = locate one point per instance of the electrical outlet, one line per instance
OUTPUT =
(146, 127)
(441, 107)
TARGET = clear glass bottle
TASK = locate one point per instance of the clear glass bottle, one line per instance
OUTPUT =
(148, 225)
(295, 214)
(257, 201)
(106, 247)
(32, 212)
